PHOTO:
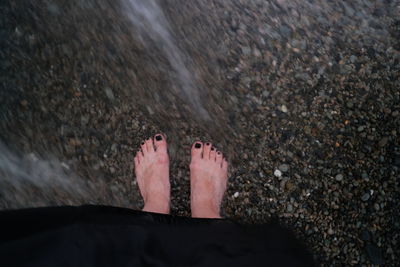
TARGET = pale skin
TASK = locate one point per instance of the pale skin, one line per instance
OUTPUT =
(208, 177)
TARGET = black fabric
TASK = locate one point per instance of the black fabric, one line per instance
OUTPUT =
(109, 236)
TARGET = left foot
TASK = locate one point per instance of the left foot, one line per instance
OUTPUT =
(152, 174)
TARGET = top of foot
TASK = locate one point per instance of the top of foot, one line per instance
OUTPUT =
(208, 179)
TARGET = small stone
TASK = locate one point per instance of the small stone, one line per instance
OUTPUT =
(395, 113)
(256, 52)
(246, 50)
(365, 197)
(376, 206)
(289, 208)
(112, 170)
(284, 109)
(283, 167)
(24, 103)
(360, 128)
(278, 173)
(330, 231)
(383, 141)
(236, 194)
(109, 93)
(339, 177)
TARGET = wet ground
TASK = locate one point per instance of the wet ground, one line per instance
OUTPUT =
(303, 97)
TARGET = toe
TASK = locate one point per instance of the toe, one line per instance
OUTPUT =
(218, 158)
(139, 156)
(206, 150)
(197, 149)
(143, 148)
(136, 160)
(160, 143)
(213, 154)
(149, 144)
(224, 165)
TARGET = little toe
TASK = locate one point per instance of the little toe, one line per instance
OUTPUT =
(160, 143)
(207, 150)
(149, 144)
(136, 160)
(224, 165)
(213, 154)
(197, 149)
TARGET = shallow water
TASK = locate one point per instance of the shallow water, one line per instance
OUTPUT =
(309, 87)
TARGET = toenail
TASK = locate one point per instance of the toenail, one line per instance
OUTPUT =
(212, 148)
(158, 137)
(219, 153)
(207, 144)
(142, 143)
(197, 145)
(149, 138)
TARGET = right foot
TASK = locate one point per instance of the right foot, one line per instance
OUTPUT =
(208, 179)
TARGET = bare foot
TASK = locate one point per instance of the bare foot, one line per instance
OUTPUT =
(152, 174)
(208, 179)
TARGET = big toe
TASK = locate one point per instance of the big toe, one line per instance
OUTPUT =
(197, 149)
(160, 143)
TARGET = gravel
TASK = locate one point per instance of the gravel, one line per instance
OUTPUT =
(296, 94)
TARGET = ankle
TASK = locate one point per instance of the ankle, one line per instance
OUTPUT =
(205, 210)
(157, 207)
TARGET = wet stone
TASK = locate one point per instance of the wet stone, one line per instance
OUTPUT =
(284, 167)
(365, 197)
(339, 177)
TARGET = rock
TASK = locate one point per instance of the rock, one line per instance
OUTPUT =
(236, 194)
(339, 177)
(278, 173)
(246, 50)
(24, 103)
(330, 231)
(283, 167)
(360, 128)
(374, 253)
(289, 208)
(365, 197)
(284, 109)
(383, 141)
(109, 93)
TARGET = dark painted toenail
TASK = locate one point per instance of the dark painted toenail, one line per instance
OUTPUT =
(219, 153)
(212, 149)
(158, 137)
(197, 145)
(142, 143)
(207, 144)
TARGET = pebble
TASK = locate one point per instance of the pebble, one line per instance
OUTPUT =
(236, 194)
(283, 167)
(109, 93)
(284, 109)
(289, 208)
(365, 197)
(383, 142)
(339, 177)
(278, 173)
(330, 231)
